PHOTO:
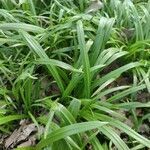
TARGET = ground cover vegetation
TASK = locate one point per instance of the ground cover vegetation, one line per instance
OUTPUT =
(74, 77)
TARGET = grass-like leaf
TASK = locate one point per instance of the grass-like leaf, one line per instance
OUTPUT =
(6, 119)
(57, 63)
(119, 143)
(21, 26)
(68, 131)
(84, 55)
(116, 73)
(36, 48)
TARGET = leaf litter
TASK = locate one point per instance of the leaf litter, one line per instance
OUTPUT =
(25, 135)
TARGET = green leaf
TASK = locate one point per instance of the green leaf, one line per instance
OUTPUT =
(103, 86)
(68, 131)
(6, 119)
(36, 48)
(132, 105)
(21, 26)
(116, 73)
(107, 110)
(122, 126)
(112, 135)
(146, 78)
(74, 107)
(102, 35)
(57, 63)
(126, 92)
(84, 55)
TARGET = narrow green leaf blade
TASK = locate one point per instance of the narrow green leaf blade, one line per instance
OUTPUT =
(6, 119)
(36, 48)
(21, 26)
(84, 55)
(69, 130)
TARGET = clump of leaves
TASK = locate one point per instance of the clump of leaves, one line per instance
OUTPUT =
(53, 70)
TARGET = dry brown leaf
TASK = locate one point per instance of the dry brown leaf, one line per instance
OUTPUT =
(30, 142)
(20, 135)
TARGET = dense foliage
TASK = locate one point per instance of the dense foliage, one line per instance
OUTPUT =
(82, 76)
